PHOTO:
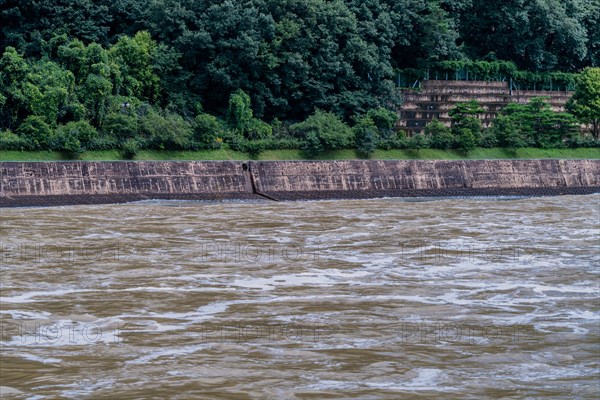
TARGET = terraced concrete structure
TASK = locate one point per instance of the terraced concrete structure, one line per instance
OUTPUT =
(62, 183)
(436, 98)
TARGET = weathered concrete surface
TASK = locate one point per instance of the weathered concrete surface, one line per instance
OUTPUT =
(57, 183)
(54, 183)
(284, 180)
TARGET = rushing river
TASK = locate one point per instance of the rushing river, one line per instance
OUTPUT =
(380, 299)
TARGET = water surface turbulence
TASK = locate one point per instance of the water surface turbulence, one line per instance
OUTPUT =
(371, 299)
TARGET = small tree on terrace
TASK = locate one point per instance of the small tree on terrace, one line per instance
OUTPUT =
(585, 103)
(465, 118)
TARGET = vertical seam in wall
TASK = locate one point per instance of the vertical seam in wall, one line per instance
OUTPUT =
(253, 184)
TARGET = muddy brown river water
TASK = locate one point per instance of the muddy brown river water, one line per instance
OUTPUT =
(372, 299)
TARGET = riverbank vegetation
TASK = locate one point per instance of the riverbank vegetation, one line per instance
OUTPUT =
(309, 76)
(225, 153)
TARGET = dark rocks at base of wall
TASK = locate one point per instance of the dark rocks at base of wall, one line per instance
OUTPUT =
(452, 192)
(91, 199)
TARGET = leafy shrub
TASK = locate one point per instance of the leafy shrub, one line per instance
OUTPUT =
(130, 148)
(366, 136)
(283, 144)
(170, 132)
(120, 126)
(488, 139)
(541, 126)
(72, 146)
(555, 130)
(239, 114)
(36, 132)
(471, 123)
(253, 148)
(507, 132)
(258, 130)
(466, 140)
(11, 141)
(323, 131)
(73, 112)
(465, 117)
(439, 135)
(585, 141)
(417, 142)
(384, 119)
(103, 142)
(81, 130)
(207, 129)
(396, 141)
(585, 103)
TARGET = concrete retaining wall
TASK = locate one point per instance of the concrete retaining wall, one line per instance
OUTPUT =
(289, 180)
(57, 183)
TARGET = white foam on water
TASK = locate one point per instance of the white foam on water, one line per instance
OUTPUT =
(30, 297)
(171, 352)
(541, 372)
(429, 379)
(18, 314)
(547, 327)
(426, 379)
(202, 313)
(35, 358)
(86, 387)
(171, 289)
(9, 391)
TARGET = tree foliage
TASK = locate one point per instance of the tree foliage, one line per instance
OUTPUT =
(366, 136)
(323, 131)
(541, 126)
(206, 71)
(585, 103)
(536, 34)
(440, 136)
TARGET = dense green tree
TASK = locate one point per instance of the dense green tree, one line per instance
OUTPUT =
(540, 125)
(440, 136)
(37, 132)
(462, 111)
(168, 132)
(130, 148)
(81, 130)
(121, 126)
(585, 103)
(135, 58)
(122, 65)
(466, 140)
(48, 89)
(323, 131)
(465, 117)
(207, 129)
(385, 121)
(536, 34)
(590, 21)
(418, 142)
(508, 133)
(366, 136)
(239, 113)
(25, 24)
(13, 102)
